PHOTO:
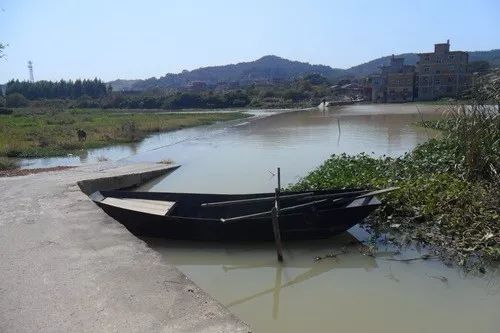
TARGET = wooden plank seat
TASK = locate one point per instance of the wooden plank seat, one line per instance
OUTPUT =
(154, 207)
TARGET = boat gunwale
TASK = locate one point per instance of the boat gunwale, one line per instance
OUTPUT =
(98, 198)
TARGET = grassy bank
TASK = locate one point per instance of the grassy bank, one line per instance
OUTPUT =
(450, 188)
(34, 132)
(6, 164)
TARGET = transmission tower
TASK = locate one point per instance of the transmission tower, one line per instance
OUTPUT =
(30, 68)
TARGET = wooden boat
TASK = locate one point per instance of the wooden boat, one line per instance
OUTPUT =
(194, 216)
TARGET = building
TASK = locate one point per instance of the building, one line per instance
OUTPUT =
(378, 83)
(347, 90)
(400, 81)
(442, 73)
(395, 83)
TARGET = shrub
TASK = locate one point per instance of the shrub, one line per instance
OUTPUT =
(16, 100)
(6, 163)
(5, 111)
(129, 130)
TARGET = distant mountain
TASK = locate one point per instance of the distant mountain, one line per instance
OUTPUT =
(270, 69)
(492, 56)
(120, 85)
(373, 66)
(266, 69)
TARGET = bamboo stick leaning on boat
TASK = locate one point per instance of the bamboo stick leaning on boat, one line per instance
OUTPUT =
(339, 200)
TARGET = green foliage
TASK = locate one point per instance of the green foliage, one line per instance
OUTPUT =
(295, 95)
(61, 89)
(303, 92)
(129, 130)
(16, 100)
(315, 79)
(436, 204)
(474, 130)
(6, 163)
(485, 89)
(479, 66)
(5, 110)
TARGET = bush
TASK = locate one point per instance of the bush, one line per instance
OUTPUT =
(129, 130)
(5, 110)
(16, 100)
(6, 163)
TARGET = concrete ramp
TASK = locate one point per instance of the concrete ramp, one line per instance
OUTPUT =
(65, 266)
(125, 177)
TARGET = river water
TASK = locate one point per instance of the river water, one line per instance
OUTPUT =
(352, 292)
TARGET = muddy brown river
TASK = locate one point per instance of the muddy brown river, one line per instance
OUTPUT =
(350, 292)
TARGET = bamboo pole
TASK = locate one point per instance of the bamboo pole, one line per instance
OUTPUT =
(249, 201)
(275, 219)
(312, 203)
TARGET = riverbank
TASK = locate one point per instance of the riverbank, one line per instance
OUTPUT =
(33, 132)
(449, 197)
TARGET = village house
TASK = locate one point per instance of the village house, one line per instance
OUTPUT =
(442, 73)
(395, 83)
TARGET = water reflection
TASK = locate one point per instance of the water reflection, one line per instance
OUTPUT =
(246, 258)
(349, 292)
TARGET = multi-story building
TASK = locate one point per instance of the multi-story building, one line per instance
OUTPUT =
(395, 83)
(378, 86)
(442, 73)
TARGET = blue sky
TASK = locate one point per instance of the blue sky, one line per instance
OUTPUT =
(140, 39)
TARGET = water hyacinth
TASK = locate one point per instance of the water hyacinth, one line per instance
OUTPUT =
(447, 198)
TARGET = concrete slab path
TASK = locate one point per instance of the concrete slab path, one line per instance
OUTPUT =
(65, 266)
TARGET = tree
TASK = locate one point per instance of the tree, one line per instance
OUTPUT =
(315, 79)
(62, 89)
(479, 66)
(16, 100)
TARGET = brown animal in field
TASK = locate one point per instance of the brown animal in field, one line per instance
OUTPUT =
(82, 135)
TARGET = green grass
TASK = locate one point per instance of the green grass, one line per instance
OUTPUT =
(449, 193)
(43, 132)
(7, 164)
(444, 101)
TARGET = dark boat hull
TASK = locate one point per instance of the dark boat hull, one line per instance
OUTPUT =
(191, 222)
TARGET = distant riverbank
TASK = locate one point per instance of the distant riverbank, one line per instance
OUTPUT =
(33, 132)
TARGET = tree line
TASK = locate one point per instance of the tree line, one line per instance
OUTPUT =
(305, 91)
(60, 89)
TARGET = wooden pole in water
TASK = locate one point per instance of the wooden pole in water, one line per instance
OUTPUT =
(275, 219)
(279, 180)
